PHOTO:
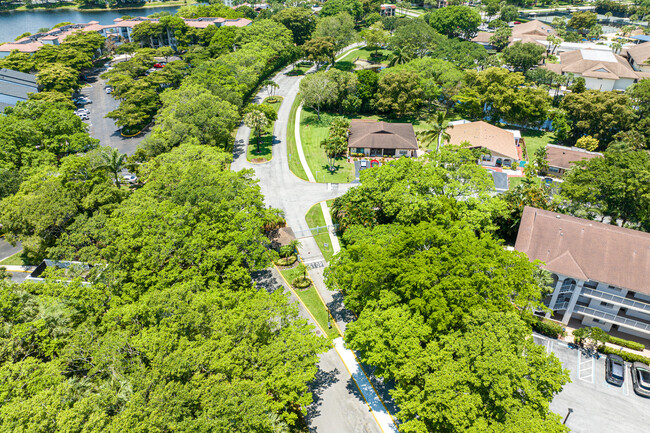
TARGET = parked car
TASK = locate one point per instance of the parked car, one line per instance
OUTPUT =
(130, 178)
(79, 111)
(83, 116)
(615, 370)
(109, 89)
(159, 65)
(82, 101)
(641, 379)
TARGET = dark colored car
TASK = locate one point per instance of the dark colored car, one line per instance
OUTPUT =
(615, 370)
(641, 379)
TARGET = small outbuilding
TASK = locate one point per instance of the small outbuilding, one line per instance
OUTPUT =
(562, 158)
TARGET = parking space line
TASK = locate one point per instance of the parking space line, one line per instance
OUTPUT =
(550, 346)
(586, 368)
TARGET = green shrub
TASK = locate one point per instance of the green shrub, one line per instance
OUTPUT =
(286, 261)
(301, 283)
(548, 327)
(627, 343)
(627, 356)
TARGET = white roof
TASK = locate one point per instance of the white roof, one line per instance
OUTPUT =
(599, 56)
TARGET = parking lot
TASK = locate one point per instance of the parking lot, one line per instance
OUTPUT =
(598, 407)
(101, 127)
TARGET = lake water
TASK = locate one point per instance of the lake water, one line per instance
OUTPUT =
(15, 23)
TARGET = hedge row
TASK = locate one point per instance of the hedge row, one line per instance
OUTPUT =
(627, 356)
(548, 327)
(627, 343)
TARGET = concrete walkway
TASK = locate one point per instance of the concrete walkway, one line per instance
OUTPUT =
(301, 152)
(328, 222)
(379, 411)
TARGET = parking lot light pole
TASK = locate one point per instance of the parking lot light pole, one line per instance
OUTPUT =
(567, 415)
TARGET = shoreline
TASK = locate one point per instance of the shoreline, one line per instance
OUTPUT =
(74, 7)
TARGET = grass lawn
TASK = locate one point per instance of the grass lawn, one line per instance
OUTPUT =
(17, 259)
(266, 139)
(312, 132)
(536, 139)
(300, 68)
(313, 302)
(514, 181)
(347, 62)
(292, 151)
(315, 218)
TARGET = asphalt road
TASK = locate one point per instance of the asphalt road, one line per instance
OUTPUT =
(598, 407)
(102, 127)
(7, 250)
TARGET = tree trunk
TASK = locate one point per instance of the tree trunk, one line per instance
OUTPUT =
(438, 146)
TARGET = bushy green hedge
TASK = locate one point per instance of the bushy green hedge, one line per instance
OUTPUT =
(547, 327)
(627, 356)
(301, 283)
(627, 343)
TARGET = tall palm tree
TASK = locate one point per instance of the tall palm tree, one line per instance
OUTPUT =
(437, 131)
(399, 58)
(256, 120)
(113, 161)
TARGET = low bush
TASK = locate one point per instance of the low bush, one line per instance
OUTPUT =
(301, 283)
(286, 261)
(627, 356)
(548, 327)
(627, 343)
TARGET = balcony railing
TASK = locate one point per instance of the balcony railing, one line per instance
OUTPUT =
(618, 300)
(561, 306)
(613, 318)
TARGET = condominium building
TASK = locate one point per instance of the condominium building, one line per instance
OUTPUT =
(601, 272)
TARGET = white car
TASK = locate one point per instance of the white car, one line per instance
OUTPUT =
(109, 89)
(83, 116)
(130, 178)
(79, 111)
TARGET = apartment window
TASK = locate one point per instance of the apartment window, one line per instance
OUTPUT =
(554, 169)
(486, 158)
(614, 288)
(597, 321)
(606, 305)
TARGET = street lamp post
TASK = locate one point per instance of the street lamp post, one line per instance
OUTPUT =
(567, 415)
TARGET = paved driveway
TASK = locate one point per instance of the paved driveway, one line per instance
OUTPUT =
(102, 127)
(598, 407)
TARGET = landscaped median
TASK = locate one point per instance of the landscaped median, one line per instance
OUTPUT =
(18, 259)
(265, 152)
(311, 299)
(315, 218)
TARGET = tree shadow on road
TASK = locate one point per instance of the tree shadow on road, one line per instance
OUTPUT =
(338, 310)
(264, 279)
(322, 381)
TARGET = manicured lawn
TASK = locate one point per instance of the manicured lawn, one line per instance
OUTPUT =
(266, 139)
(536, 139)
(312, 133)
(292, 151)
(514, 181)
(315, 218)
(17, 259)
(300, 69)
(347, 62)
(313, 302)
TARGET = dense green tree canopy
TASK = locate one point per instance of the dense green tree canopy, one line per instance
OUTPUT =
(599, 114)
(523, 56)
(455, 21)
(616, 186)
(334, 7)
(340, 28)
(299, 20)
(416, 38)
(444, 186)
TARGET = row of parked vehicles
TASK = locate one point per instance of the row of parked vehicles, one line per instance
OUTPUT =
(640, 373)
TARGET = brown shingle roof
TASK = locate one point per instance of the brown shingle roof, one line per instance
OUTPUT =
(564, 157)
(596, 64)
(533, 28)
(585, 249)
(381, 135)
(640, 53)
(482, 134)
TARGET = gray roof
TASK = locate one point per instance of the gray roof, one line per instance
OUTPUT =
(18, 77)
(500, 181)
(16, 84)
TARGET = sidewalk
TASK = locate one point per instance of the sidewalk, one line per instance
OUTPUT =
(381, 414)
